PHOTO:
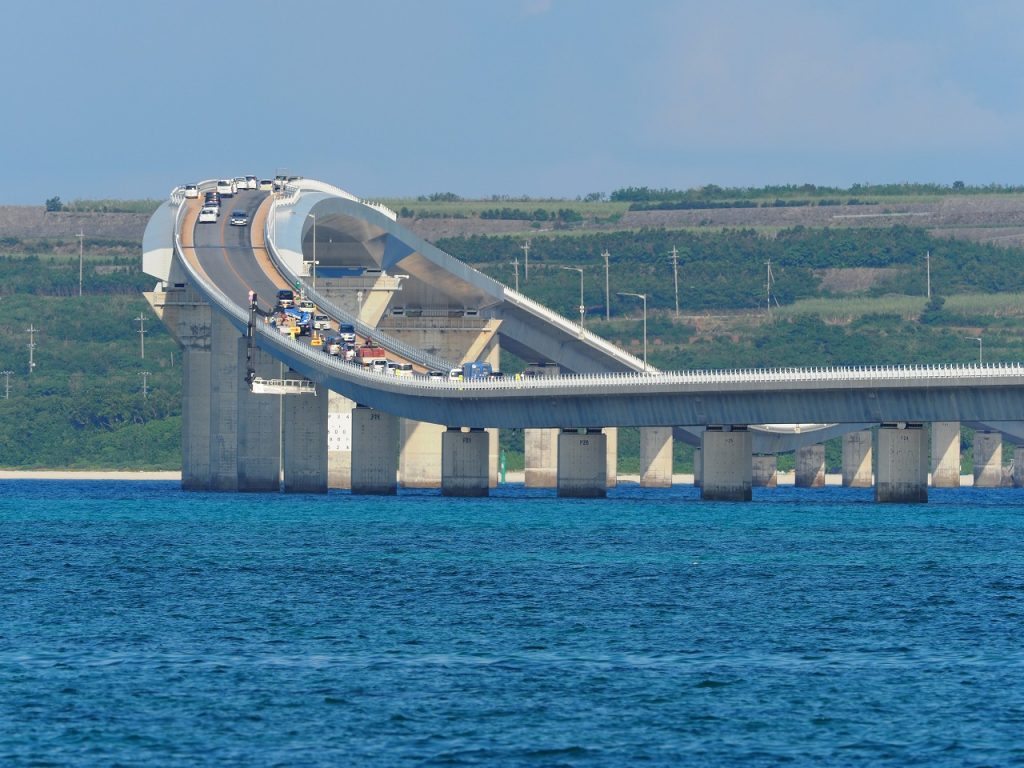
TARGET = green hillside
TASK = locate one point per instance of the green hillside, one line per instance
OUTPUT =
(838, 296)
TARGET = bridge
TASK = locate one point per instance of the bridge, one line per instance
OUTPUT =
(358, 265)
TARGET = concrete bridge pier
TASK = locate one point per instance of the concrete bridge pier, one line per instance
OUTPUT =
(656, 457)
(857, 459)
(374, 452)
(339, 441)
(945, 454)
(698, 467)
(988, 459)
(810, 466)
(194, 335)
(419, 463)
(901, 458)
(765, 471)
(611, 435)
(727, 463)
(582, 459)
(304, 436)
(464, 458)
(1018, 467)
(259, 426)
(540, 456)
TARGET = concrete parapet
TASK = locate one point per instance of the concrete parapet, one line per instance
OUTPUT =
(656, 457)
(540, 452)
(857, 459)
(727, 473)
(464, 462)
(810, 466)
(581, 463)
(765, 471)
(988, 460)
(419, 464)
(945, 461)
(374, 452)
(901, 464)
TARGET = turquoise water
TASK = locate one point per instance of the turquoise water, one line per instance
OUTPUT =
(143, 626)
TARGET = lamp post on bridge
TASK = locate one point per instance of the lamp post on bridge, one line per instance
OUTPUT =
(313, 263)
(981, 355)
(643, 298)
(583, 307)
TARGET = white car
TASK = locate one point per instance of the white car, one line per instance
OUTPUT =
(266, 185)
(208, 215)
(225, 188)
(321, 323)
(191, 190)
(252, 182)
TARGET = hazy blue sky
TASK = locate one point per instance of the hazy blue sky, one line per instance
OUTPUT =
(128, 98)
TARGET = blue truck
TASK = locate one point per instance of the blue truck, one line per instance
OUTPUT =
(471, 371)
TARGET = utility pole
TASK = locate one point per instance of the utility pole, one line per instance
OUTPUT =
(675, 275)
(7, 384)
(607, 295)
(142, 335)
(145, 379)
(515, 263)
(526, 261)
(81, 248)
(928, 271)
(32, 331)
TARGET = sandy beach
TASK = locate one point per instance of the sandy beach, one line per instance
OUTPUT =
(65, 474)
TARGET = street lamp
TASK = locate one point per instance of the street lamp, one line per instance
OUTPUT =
(314, 262)
(981, 356)
(643, 298)
(583, 308)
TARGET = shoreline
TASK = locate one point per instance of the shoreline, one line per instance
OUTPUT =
(86, 474)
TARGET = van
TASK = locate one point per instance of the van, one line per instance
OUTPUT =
(321, 323)
(285, 297)
(347, 332)
(307, 306)
(225, 188)
(208, 215)
(404, 369)
(191, 191)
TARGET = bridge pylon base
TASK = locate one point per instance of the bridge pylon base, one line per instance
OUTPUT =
(901, 464)
(582, 464)
(464, 462)
(727, 464)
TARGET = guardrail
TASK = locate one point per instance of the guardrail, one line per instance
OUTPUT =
(365, 330)
(592, 338)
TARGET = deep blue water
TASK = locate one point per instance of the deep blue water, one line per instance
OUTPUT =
(144, 626)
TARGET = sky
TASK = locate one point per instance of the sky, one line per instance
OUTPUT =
(126, 99)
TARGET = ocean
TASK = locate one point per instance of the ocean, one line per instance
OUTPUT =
(144, 626)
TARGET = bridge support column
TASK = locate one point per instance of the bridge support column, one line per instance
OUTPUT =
(698, 466)
(339, 441)
(1018, 467)
(857, 459)
(945, 454)
(224, 381)
(419, 462)
(304, 441)
(810, 466)
(727, 464)
(194, 332)
(582, 458)
(259, 426)
(988, 460)
(374, 452)
(656, 457)
(540, 454)
(611, 435)
(465, 467)
(901, 458)
(765, 471)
